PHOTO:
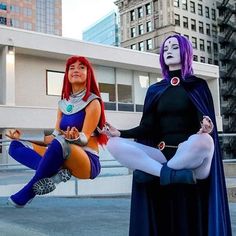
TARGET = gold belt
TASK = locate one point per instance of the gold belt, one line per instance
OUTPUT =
(162, 145)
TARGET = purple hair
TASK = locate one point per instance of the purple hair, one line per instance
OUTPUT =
(186, 56)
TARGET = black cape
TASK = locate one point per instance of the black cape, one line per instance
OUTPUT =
(149, 204)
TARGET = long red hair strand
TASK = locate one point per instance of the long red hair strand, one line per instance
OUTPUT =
(91, 87)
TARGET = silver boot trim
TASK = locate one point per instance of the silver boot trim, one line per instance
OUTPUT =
(65, 146)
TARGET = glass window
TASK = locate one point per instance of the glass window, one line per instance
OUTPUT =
(202, 59)
(195, 57)
(124, 80)
(3, 20)
(209, 61)
(193, 24)
(177, 19)
(215, 47)
(186, 36)
(14, 23)
(140, 29)
(184, 4)
(213, 14)
(141, 46)
(208, 29)
(133, 32)
(148, 9)
(106, 80)
(201, 44)
(27, 26)
(149, 26)
(207, 12)
(149, 44)
(200, 25)
(176, 3)
(209, 46)
(200, 13)
(54, 82)
(3, 6)
(141, 84)
(185, 22)
(133, 46)
(124, 93)
(27, 11)
(194, 42)
(15, 9)
(214, 31)
(132, 15)
(192, 7)
(140, 12)
(108, 92)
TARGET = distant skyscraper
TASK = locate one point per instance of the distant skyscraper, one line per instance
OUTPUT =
(104, 31)
(37, 15)
(144, 24)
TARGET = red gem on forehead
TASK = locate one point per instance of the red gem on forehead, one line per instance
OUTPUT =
(175, 81)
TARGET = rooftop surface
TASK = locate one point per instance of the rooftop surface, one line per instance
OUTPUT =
(59, 216)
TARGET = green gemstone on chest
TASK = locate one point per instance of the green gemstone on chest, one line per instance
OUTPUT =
(69, 108)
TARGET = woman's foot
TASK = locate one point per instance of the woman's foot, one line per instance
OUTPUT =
(13, 201)
(207, 125)
(47, 185)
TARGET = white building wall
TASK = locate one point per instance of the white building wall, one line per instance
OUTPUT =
(31, 80)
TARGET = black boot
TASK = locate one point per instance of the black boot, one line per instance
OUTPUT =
(171, 176)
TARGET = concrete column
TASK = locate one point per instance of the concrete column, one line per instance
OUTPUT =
(7, 76)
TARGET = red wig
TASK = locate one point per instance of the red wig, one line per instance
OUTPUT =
(91, 87)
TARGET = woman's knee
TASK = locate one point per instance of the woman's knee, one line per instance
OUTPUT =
(201, 143)
(114, 143)
(15, 144)
(208, 143)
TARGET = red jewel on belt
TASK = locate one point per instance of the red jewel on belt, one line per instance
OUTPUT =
(174, 81)
(161, 145)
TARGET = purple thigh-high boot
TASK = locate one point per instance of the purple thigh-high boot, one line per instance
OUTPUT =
(49, 165)
(25, 155)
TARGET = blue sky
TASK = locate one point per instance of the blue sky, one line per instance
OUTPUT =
(77, 15)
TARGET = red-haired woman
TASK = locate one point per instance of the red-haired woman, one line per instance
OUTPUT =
(73, 146)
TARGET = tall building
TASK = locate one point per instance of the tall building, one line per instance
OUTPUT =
(37, 15)
(145, 23)
(104, 31)
(227, 40)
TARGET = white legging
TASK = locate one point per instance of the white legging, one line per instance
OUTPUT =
(195, 153)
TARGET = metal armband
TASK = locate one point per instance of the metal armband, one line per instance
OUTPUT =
(81, 140)
(55, 133)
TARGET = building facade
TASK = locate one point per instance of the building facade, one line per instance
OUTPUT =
(104, 31)
(32, 70)
(227, 40)
(43, 16)
(144, 24)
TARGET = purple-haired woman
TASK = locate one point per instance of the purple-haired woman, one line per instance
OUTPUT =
(178, 180)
